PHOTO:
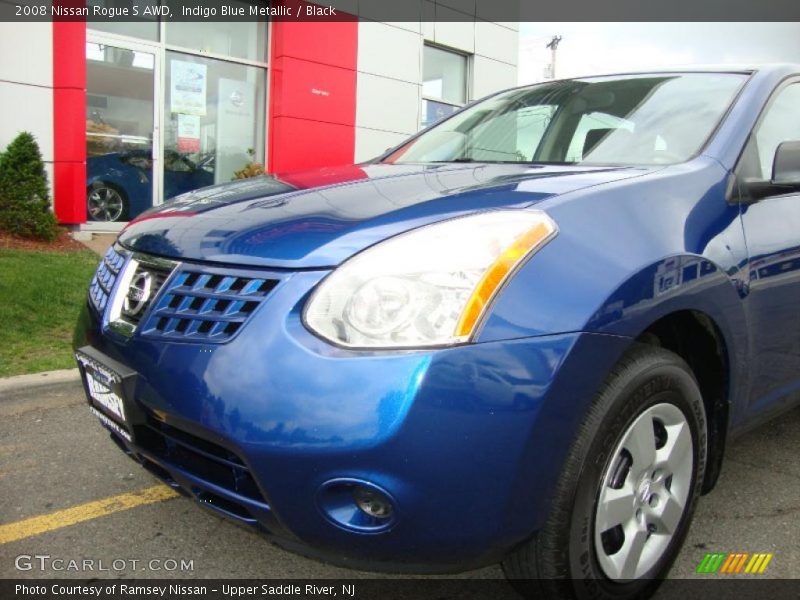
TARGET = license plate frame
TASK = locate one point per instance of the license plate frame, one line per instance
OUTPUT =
(102, 392)
(108, 386)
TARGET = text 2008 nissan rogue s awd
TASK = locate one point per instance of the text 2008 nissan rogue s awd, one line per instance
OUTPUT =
(524, 335)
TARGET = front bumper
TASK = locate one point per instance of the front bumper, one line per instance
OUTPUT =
(468, 441)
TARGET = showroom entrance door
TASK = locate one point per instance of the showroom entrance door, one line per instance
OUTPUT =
(122, 127)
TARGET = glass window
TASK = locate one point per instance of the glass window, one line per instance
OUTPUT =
(119, 132)
(214, 118)
(781, 123)
(591, 129)
(433, 111)
(513, 136)
(238, 39)
(444, 75)
(531, 123)
(637, 119)
(444, 83)
(146, 29)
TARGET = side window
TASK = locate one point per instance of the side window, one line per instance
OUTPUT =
(781, 123)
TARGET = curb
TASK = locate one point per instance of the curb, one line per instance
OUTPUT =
(36, 380)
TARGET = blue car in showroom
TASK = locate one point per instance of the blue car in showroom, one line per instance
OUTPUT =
(525, 335)
(119, 184)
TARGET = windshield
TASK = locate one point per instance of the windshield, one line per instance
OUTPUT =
(623, 120)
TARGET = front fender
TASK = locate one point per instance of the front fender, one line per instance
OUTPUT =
(627, 253)
(678, 283)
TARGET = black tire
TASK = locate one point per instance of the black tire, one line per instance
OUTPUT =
(561, 560)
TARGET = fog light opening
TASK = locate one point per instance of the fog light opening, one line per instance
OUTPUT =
(372, 503)
(358, 505)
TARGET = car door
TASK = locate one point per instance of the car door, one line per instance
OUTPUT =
(772, 231)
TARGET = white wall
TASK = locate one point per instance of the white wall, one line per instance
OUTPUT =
(26, 85)
(389, 88)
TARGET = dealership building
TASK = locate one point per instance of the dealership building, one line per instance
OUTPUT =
(130, 114)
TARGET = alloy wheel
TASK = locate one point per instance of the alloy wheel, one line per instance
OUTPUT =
(105, 204)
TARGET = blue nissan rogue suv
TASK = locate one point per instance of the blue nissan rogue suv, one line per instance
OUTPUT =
(524, 335)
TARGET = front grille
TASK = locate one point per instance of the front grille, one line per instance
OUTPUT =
(133, 312)
(204, 306)
(104, 279)
(198, 457)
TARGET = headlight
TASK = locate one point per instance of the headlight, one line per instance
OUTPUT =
(426, 287)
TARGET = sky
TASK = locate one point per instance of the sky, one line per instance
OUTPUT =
(597, 48)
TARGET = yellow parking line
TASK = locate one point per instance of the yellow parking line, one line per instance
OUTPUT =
(83, 512)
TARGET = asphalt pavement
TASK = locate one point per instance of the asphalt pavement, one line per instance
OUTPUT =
(68, 493)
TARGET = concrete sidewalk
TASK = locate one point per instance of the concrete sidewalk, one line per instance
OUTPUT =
(97, 242)
(22, 384)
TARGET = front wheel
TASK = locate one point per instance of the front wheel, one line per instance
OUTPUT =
(627, 492)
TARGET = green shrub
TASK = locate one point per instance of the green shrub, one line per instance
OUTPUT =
(24, 196)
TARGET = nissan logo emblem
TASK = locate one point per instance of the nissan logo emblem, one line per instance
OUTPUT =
(236, 98)
(138, 293)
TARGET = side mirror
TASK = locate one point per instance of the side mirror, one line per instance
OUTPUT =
(785, 175)
(786, 166)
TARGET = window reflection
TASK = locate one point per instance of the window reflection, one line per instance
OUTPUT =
(211, 120)
(119, 132)
(444, 83)
(239, 39)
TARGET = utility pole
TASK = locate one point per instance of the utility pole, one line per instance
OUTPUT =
(553, 45)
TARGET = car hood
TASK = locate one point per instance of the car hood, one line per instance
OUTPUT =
(318, 219)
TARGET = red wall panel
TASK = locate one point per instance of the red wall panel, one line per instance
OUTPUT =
(329, 43)
(305, 144)
(314, 91)
(69, 124)
(312, 99)
(69, 119)
(69, 39)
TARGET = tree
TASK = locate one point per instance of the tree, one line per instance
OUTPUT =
(24, 195)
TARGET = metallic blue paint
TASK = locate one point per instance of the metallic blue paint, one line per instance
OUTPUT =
(321, 227)
(468, 440)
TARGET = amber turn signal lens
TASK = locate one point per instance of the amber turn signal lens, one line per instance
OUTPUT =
(496, 274)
